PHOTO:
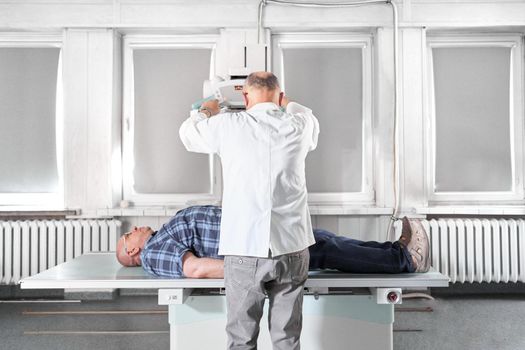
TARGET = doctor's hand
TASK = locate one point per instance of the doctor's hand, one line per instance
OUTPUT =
(210, 108)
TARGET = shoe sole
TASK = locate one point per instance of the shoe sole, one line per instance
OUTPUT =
(406, 232)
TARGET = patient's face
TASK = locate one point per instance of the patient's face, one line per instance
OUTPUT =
(138, 232)
(131, 244)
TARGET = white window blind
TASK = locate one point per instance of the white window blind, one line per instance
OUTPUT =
(28, 139)
(163, 77)
(329, 81)
(473, 132)
(166, 83)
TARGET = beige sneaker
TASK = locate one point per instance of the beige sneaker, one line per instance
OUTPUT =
(418, 247)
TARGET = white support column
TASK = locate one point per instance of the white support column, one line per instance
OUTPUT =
(384, 118)
(411, 146)
(75, 117)
(91, 118)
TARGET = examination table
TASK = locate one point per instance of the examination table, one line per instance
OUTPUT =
(340, 311)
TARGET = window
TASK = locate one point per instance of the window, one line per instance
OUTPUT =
(331, 74)
(476, 118)
(163, 77)
(31, 120)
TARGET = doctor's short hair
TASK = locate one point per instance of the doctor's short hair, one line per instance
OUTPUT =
(262, 80)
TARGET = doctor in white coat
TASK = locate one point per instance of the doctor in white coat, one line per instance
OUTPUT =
(266, 227)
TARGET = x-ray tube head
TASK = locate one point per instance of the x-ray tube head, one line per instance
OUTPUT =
(227, 92)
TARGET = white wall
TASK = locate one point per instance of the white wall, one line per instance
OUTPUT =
(243, 13)
(92, 56)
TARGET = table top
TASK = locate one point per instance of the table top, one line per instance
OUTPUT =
(102, 271)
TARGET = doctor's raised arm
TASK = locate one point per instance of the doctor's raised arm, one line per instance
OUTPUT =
(200, 132)
(312, 124)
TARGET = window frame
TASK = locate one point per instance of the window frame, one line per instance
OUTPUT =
(363, 41)
(42, 199)
(133, 42)
(516, 114)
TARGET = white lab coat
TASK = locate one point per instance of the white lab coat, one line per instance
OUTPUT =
(263, 151)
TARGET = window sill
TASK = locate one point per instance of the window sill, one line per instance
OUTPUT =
(314, 210)
(27, 213)
(348, 210)
(473, 210)
(140, 211)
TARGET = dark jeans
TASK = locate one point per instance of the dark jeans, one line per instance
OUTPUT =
(350, 255)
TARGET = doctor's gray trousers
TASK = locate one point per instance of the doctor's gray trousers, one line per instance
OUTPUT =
(248, 281)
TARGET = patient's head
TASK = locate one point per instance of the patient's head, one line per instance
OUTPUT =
(130, 245)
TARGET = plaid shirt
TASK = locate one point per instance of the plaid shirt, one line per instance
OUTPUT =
(195, 229)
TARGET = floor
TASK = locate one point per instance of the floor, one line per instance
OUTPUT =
(108, 324)
(456, 319)
(462, 322)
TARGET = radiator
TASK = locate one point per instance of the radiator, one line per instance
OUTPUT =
(29, 247)
(478, 250)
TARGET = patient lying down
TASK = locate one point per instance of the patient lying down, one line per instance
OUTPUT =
(187, 246)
